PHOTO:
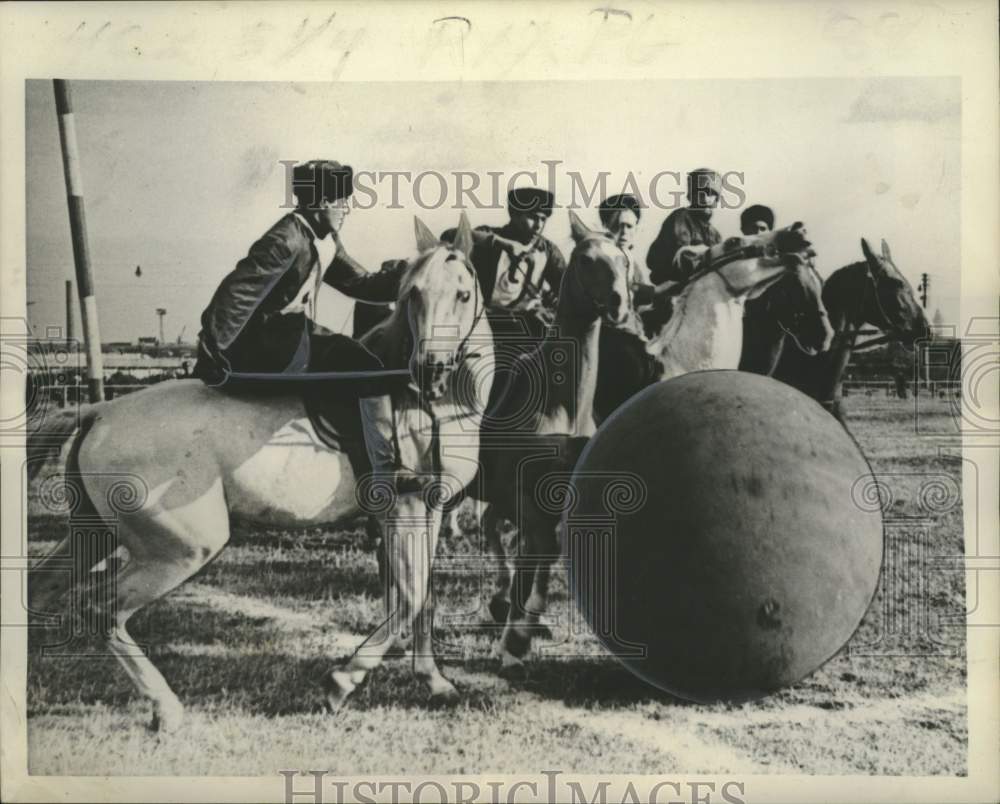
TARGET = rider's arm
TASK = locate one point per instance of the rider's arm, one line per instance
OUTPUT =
(350, 277)
(674, 233)
(245, 287)
(555, 267)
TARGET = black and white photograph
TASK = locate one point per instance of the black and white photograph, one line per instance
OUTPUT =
(430, 429)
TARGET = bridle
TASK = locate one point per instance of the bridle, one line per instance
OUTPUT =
(799, 314)
(854, 323)
(748, 252)
(462, 353)
(547, 316)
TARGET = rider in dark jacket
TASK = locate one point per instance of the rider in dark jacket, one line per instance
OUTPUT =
(262, 316)
(688, 226)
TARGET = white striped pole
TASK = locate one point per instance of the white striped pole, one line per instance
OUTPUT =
(78, 229)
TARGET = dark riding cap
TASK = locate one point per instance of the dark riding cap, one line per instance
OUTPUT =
(704, 179)
(754, 213)
(321, 180)
(530, 199)
(614, 204)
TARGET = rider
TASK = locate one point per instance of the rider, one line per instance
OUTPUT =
(262, 316)
(620, 216)
(756, 220)
(534, 265)
(687, 226)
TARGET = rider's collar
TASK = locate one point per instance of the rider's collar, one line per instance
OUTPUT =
(313, 234)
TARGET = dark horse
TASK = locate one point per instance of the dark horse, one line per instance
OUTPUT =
(868, 293)
(791, 308)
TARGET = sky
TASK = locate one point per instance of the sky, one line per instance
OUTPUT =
(181, 178)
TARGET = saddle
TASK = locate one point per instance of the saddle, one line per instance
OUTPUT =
(332, 404)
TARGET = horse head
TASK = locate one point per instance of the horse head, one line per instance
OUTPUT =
(442, 304)
(889, 302)
(596, 283)
(749, 265)
(795, 301)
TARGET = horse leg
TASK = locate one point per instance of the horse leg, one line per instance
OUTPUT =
(408, 542)
(500, 602)
(515, 642)
(174, 546)
(51, 577)
(529, 591)
(424, 663)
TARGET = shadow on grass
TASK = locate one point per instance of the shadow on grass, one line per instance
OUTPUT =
(323, 578)
(597, 682)
(270, 684)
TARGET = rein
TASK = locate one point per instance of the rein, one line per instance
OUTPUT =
(857, 320)
(798, 314)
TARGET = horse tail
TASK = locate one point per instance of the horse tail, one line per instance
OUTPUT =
(48, 579)
(57, 436)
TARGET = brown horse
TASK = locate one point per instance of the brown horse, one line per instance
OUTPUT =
(872, 293)
(704, 333)
(538, 423)
(791, 308)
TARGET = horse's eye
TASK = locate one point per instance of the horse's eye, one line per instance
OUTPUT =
(464, 295)
(451, 256)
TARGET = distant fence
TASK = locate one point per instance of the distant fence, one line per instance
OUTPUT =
(123, 374)
(888, 388)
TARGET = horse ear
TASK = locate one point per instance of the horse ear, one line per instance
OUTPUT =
(578, 228)
(867, 251)
(425, 237)
(886, 254)
(463, 236)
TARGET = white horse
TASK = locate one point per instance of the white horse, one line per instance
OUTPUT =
(705, 330)
(200, 455)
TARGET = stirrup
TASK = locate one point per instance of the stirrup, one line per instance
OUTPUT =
(407, 481)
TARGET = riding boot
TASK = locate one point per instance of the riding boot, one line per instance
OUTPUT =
(379, 428)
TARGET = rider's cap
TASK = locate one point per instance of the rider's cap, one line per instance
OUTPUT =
(530, 199)
(321, 180)
(704, 179)
(757, 212)
(616, 203)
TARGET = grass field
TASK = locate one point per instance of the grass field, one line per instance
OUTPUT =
(244, 642)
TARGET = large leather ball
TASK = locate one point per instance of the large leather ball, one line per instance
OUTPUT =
(726, 535)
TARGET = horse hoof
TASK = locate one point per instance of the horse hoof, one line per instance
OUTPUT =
(541, 632)
(499, 609)
(167, 718)
(516, 642)
(513, 671)
(445, 697)
(337, 687)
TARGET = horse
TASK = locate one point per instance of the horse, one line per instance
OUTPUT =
(871, 292)
(199, 456)
(705, 329)
(792, 308)
(537, 424)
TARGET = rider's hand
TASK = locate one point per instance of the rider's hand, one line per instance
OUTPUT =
(643, 294)
(511, 248)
